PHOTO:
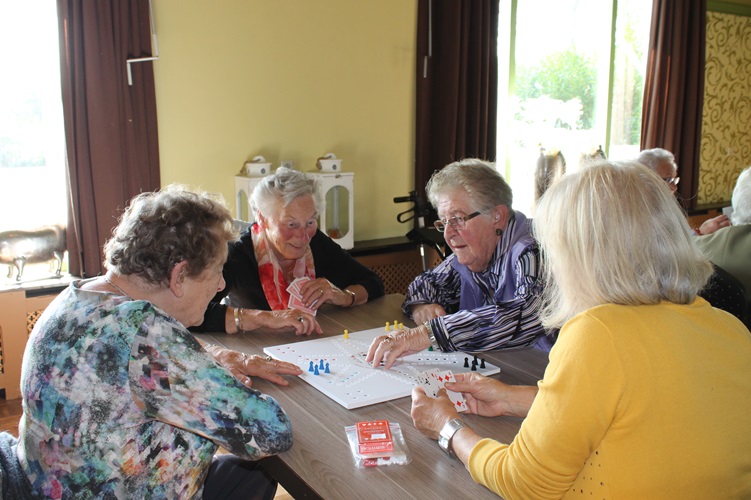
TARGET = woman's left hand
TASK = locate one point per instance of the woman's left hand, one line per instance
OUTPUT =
(243, 366)
(319, 291)
(431, 414)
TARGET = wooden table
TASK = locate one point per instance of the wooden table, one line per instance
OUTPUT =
(320, 464)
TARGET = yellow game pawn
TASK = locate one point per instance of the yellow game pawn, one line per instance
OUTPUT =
(387, 326)
(396, 324)
(346, 334)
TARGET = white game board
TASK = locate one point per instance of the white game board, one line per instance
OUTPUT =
(353, 383)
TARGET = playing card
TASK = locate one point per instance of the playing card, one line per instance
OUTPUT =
(428, 384)
(296, 303)
(456, 397)
(294, 287)
(434, 380)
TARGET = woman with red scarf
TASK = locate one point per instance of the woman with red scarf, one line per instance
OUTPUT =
(284, 248)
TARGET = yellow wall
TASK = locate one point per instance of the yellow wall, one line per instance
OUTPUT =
(290, 80)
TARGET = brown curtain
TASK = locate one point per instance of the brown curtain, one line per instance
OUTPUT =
(457, 84)
(110, 127)
(674, 87)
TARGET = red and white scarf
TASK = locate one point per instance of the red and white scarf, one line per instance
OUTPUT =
(273, 282)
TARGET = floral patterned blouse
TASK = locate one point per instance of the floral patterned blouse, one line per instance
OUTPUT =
(121, 401)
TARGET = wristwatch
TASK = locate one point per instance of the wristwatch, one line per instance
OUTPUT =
(447, 434)
(433, 342)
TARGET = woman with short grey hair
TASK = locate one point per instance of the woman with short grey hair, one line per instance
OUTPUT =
(283, 268)
(486, 294)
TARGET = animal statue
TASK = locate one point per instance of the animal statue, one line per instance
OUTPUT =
(550, 167)
(18, 248)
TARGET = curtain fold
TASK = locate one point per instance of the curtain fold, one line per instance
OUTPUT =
(110, 127)
(674, 87)
(457, 84)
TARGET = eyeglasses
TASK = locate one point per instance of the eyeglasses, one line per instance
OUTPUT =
(457, 223)
(673, 181)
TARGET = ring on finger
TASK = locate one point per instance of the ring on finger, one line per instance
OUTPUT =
(320, 290)
(268, 358)
(300, 319)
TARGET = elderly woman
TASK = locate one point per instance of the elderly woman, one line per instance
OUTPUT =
(484, 296)
(648, 387)
(662, 162)
(730, 247)
(282, 246)
(120, 400)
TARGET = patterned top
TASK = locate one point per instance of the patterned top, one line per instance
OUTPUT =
(493, 309)
(121, 401)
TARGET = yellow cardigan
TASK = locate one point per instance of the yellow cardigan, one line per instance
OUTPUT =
(637, 402)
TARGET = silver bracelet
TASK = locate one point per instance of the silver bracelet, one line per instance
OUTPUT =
(238, 319)
(431, 335)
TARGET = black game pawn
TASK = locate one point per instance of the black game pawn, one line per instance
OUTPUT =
(466, 362)
(474, 367)
(482, 363)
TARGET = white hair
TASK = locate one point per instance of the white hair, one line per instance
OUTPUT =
(742, 199)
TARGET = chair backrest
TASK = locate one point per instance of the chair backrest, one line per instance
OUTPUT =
(724, 291)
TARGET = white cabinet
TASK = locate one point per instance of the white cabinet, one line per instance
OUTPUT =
(337, 212)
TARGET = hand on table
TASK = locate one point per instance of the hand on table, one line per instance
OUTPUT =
(425, 312)
(398, 343)
(243, 366)
(303, 323)
(709, 226)
(430, 414)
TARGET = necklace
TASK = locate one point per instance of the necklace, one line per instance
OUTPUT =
(122, 292)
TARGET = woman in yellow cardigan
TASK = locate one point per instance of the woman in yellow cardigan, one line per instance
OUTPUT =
(648, 389)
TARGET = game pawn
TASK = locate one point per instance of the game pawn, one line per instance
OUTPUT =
(466, 362)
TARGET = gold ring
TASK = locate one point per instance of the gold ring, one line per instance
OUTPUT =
(321, 290)
(390, 340)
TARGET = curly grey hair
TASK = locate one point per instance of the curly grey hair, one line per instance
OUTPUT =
(159, 230)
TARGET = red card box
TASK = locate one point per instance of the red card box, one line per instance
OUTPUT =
(374, 438)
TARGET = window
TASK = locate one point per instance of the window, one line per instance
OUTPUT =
(32, 139)
(574, 85)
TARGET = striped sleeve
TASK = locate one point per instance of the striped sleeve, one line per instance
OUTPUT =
(439, 285)
(504, 324)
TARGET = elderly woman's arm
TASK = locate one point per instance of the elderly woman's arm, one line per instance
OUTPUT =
(439, 286)
(177, 382)
(511, 323)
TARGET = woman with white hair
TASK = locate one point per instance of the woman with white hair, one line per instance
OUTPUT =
(648, 387)
(285, 245)
(730, 247)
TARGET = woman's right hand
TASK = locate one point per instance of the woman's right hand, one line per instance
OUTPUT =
(492, 398)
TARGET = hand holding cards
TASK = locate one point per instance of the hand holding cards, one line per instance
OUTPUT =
(433, 381)
(295, 297)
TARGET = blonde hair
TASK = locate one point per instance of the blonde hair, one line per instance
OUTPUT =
(613, 233)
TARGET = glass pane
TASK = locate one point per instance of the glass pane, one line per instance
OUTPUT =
(630, 64)
(337, 212)
(559, 89)
(32, 139)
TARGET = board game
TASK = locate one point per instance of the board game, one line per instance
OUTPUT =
(336, 366)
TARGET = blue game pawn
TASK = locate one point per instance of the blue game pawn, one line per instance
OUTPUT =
(310, 368)
(315, 372)
(321, 365)
(327, 369)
